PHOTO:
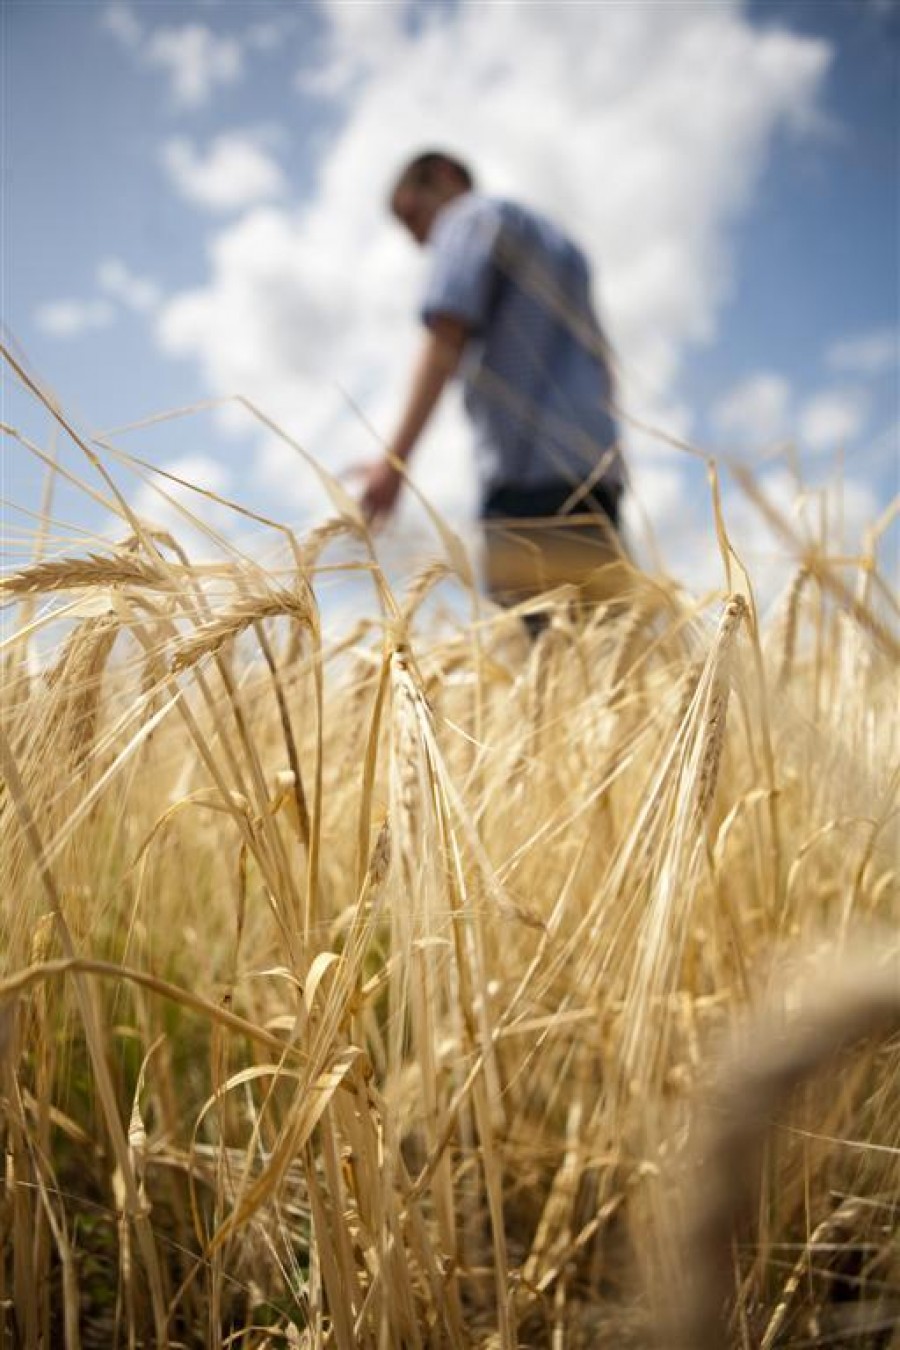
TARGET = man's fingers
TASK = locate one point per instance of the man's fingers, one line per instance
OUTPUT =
(380, 490)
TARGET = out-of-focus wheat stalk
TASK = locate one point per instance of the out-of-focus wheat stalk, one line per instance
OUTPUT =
(858, 1000)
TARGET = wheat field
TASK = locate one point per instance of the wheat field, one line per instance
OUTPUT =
(426, 985)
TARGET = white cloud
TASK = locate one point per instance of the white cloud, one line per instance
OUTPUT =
(195, 58)
(831, 419)
(648, 152)
(355, 29)
(763, 409)
(71, 318)
(123, 23)
(181, 507)
(196, 61)
(134, 292)
(872, 353)
(756, 412)
(267, 35)
(200, 471)
(360, 39)
(235, 172)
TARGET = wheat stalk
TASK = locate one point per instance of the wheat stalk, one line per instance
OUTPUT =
(860, 1001)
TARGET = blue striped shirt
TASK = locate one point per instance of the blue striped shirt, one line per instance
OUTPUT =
(536, 382)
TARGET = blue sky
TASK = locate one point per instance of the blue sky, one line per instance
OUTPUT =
(192, 209)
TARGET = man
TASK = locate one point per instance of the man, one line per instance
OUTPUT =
(507, 305)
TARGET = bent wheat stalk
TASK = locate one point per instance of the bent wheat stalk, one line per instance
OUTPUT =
(766, 1066)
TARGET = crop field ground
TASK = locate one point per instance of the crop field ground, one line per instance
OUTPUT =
(426, 985)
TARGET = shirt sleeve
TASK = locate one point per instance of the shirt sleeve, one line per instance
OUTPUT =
(461, 279)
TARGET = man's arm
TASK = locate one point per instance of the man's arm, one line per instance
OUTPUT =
(437, 361)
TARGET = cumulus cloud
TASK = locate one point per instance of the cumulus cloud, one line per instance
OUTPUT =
(868, 354)
(123, 23)
(756, 412)
(134, 292)
(649, 152)
(359, 39)
(235, 171)
(196, 61)
(72, 318)
(267, 35)
(830, 420)
(181, 507)
(763, 410)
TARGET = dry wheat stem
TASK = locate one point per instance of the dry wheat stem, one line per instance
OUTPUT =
(94, 1039)
(767, 1065)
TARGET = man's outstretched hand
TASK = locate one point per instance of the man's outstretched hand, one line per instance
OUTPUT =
(381, 488)
(439, 356)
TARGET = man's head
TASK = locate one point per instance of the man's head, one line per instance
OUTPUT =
(424, 186)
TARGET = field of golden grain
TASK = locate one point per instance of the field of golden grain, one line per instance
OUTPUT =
(430, 986)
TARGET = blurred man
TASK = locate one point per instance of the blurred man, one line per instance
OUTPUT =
(507, 306)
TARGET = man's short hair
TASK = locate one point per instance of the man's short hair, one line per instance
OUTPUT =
(423, 170)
